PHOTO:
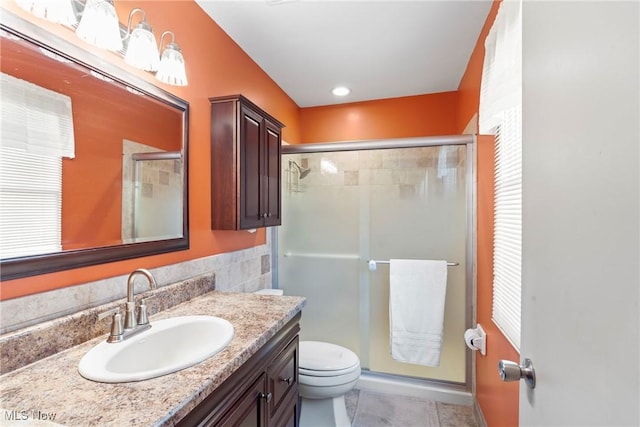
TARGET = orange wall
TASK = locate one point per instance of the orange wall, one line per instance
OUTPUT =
(498, 400)
(215, 66)
(411, 116)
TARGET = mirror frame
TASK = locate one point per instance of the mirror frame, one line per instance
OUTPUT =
(19, 267)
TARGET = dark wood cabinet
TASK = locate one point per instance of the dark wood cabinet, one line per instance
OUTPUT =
(249, 410)
(245, 165)
(282, 387)
(263, 392)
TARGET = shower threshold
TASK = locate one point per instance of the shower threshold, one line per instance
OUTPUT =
(441, 391)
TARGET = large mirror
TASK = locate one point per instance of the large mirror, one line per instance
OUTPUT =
(122, 190)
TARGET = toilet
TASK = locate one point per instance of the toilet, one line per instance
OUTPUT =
(326, 372)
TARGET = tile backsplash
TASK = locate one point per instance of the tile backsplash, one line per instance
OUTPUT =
(40, 325)
(245, 270)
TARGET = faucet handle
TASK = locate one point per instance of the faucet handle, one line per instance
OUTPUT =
(143, 318)
(116, 324)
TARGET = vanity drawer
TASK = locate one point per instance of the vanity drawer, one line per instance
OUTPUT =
(282, 377)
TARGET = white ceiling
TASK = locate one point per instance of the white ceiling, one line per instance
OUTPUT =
(379, 49)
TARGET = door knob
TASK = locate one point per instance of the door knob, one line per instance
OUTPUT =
(511, 371)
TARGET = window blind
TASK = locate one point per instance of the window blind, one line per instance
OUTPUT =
(31, 200)
(36, 131)
(507, 240)
(501, 114)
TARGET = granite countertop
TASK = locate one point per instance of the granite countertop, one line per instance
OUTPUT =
(53, 389)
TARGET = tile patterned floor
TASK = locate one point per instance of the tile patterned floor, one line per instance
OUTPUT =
(371, 409)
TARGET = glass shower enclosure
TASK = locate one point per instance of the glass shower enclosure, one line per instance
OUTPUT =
(346, 204)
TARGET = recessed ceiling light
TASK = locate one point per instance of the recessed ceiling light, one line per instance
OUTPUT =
(341, 91)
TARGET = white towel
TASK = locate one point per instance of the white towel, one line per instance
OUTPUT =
(416, 310)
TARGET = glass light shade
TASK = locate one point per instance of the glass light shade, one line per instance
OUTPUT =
(99, 25)
(172, 68)
(142, 50)
(59, 11)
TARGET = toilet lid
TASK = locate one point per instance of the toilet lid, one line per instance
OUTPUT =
(322, 356)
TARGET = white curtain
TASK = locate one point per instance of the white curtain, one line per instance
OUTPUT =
(35, 119)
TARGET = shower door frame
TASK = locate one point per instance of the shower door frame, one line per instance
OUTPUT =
(137, 175)
(470, 251)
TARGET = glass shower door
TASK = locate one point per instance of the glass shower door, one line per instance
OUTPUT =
(318, 250)
(374, 204)
(418, 211)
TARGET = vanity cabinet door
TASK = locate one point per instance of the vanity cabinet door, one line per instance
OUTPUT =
(282, 380)
(249, 410)
(245, 165)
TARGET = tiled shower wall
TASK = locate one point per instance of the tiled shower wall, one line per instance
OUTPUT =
(241, 271)
(159, 178)
(400, 169)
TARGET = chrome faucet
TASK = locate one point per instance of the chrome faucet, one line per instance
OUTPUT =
(132, 326)
(130, 321)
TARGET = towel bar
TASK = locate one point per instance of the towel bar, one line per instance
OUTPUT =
(373, 264)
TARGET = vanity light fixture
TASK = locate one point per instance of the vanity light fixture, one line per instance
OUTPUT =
(99, 25)
(172, 67)
(341, 91)
(142, 50)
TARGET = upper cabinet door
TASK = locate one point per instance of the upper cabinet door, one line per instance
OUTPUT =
(273, 142)
(245, 162)
(251, 169)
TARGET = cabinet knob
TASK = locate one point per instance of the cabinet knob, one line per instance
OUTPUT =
(269, 214)
(287, 380)
(264, 215)
(266, 396)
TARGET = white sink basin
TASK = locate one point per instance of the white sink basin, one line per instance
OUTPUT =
(169, 346)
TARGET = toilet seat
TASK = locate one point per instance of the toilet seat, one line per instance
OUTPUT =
(329, 381)
(314, 373)
(324, 364)
(326, 359)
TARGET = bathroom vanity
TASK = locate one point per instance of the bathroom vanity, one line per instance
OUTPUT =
(253, 381)
(263, 392)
